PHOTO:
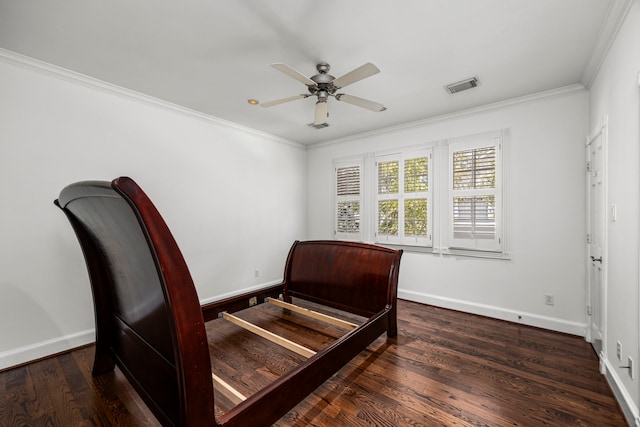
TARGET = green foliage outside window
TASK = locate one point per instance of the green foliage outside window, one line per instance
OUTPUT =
(416, 171)
(415, 217)
(474, 169)
(388, 177)
(388, 217)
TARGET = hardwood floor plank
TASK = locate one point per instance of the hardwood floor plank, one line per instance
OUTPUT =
(445, 368)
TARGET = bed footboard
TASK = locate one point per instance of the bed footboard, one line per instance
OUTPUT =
(354, 277)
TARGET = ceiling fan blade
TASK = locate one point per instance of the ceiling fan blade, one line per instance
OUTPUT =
(282, 101)
(293, 73)
(358, 74)
(321, 113)
(360, 102)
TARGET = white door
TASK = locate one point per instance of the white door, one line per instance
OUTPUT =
(597, 238)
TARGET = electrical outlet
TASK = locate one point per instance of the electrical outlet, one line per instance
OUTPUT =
(631, 367)
(253, 301)
(256, 273)
(548, 299)
(619, 350)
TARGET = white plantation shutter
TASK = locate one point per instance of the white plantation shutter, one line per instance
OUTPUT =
(348, 180)
(348, 203)
(474, 168)
(475, 200)
(388, 209)
(474, 217)
(403, 198)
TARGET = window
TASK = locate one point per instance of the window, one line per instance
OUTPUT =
(403, 198)
(443, 197)
(475, 195)
(348, 200)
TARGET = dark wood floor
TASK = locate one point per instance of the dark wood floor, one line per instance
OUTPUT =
(445, 368)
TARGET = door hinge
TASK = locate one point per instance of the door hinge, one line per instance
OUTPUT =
(588, 166)
(589, 310)
(588, 238)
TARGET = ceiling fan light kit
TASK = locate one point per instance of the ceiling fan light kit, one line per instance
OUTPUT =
(323, 85)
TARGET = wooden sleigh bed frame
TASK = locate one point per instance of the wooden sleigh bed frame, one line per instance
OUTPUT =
(150, 323)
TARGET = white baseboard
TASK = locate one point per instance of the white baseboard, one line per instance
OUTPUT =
(240, 292)
(36, 351)
(554, 324)
(29, 353)
(629, 408)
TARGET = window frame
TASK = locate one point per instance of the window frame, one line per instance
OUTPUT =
(487, 245)
(439, 203)
(402, 196)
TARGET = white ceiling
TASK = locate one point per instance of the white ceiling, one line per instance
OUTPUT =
(213, 55)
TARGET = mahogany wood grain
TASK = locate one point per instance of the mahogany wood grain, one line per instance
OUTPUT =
(148, 316)
(150, 324)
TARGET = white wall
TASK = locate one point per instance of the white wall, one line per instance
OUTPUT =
(57, 128)
(615, 93)
(235, 200)
(546, 168)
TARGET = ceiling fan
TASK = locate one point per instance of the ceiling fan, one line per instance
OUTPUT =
(323, 85)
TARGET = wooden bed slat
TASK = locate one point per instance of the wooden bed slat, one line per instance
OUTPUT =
(229, 392)
(313, 314)
(277, 339)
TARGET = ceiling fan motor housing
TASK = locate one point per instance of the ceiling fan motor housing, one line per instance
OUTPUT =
(324, 82)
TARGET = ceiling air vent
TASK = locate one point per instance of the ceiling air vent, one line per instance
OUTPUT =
(463, 85)
(318, 126)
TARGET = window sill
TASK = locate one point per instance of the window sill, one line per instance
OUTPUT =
(474, 254)
(449, 252)
(407, 248)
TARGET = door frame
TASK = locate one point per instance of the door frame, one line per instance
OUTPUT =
(600, 132)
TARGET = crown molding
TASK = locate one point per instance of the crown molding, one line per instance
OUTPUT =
(553, 93)
(618, 10)
(51, 70)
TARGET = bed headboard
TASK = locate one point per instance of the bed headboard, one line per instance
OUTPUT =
(148, 316)
(356, 277)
